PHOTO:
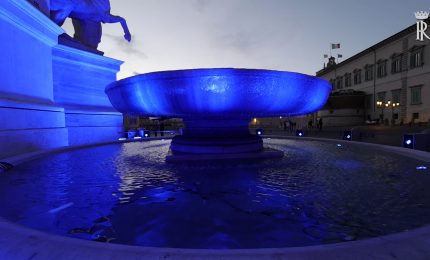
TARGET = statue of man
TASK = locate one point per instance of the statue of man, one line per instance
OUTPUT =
(87, 16)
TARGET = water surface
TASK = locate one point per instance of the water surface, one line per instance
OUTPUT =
(125, 193)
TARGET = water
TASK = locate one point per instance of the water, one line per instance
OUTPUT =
(125, 193)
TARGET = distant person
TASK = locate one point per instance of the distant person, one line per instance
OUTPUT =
(286, 125)
(156, 127)
(320, 124)
(162, 129)
(310, 124)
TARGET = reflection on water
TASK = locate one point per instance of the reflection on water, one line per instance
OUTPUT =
(318, 193)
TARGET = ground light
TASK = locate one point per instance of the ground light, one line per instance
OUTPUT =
(259, 131)
(131, 134)
(408, 141)
(347, 135)
(300, 133)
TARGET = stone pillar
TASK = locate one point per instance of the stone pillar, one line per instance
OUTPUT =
(29, 118)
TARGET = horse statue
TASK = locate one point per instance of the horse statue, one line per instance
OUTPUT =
(87, 16)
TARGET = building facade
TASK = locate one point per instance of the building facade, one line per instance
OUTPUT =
(393, 75)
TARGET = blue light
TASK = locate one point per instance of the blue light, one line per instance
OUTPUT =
(339, 145)
(408, 141)
(347, 135)
(259, 131)
(300, 133)
(421, 168)
(146, 133)
(131, 134)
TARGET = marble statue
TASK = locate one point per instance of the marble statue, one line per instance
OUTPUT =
(87, 16)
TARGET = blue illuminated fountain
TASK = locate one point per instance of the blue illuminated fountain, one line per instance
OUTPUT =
(217, 106)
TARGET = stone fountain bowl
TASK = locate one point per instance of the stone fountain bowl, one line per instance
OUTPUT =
(219, 94)
(216, 106)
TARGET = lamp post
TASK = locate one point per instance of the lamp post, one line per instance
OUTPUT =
(380, 105)
(392, 105)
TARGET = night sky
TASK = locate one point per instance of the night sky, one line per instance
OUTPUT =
(266, 34)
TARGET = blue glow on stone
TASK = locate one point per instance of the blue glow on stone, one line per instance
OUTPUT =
(219, 93)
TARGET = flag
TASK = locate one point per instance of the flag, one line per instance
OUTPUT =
(339, 56)
(325, 56)
(335, 45)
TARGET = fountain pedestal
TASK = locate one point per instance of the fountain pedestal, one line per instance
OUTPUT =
(218, 139)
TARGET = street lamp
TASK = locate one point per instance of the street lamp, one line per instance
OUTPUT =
(392, 105)
(380, 105)
(388, 104)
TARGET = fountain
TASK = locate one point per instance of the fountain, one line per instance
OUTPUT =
(59, 187)
(217, 106)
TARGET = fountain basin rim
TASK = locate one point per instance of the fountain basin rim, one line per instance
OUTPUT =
(202, 72)
(27, 242)
(219, 93)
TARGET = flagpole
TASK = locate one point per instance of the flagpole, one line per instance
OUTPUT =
(330, 51)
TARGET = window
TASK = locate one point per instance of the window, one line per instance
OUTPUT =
(417, 56)
(357, 76)
(348, 80)
(381, 96)
(396, 63)
(382, 68)
(339, 82)
(416, 95)
(395, 95)
(368, 74)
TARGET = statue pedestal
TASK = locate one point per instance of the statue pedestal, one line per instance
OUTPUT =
(51, 96)
(80, 79)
